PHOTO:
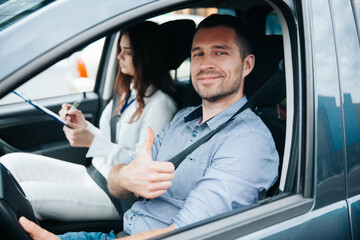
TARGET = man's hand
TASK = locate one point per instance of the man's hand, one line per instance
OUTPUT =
(143, 176)
(36, 232)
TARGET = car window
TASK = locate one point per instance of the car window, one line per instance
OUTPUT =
(272, 24)
(71, 75)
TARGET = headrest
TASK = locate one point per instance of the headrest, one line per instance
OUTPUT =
(178, 35)
(268, 51)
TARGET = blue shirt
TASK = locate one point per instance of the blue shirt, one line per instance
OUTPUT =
(222, 174)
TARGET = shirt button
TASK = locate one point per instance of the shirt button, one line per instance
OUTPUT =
(194, 135)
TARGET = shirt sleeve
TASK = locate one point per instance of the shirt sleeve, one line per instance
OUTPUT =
(232, 180)
(101, 145)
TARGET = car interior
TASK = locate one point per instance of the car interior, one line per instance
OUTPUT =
(274, 102)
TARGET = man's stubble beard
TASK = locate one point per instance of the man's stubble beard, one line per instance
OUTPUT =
(223, 91)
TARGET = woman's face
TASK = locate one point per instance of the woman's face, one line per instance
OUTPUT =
(125, 56)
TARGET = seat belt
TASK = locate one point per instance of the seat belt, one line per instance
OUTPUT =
(274, 83)
(100, 180)
(113, 120)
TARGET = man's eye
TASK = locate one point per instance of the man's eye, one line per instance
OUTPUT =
(198, 54)
(220, 53)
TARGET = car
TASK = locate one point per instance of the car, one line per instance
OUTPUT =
(313, 112)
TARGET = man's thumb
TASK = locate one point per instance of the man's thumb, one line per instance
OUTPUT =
(147, 145)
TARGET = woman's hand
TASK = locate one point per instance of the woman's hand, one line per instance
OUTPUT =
(74, 116)
(78, 135)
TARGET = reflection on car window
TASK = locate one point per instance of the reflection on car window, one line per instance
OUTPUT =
(71, 75)
(13, 10)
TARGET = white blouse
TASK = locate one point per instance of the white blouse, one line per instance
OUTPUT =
(158, 111)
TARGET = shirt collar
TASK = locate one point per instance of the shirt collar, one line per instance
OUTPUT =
(196, 113)
(218, 119)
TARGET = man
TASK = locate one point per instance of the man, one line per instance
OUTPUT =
(222, 174)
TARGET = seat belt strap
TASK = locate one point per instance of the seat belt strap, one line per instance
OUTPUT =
(100, 180)
(268, 88)
(113, 120)
(177, 159)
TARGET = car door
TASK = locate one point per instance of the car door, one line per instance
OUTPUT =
(346, 22)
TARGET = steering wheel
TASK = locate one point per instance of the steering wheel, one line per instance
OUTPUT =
(13, 205)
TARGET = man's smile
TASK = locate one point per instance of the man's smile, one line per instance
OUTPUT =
(209, 76)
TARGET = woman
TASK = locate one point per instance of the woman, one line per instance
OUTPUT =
(61, 190)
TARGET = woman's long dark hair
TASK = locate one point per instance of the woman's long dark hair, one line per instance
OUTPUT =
(147, 44)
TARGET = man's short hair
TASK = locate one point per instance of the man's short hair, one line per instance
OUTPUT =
(243, 36)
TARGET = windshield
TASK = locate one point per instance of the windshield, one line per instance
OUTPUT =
(13, 10)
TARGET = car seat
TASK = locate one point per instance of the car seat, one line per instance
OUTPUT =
(179, 35)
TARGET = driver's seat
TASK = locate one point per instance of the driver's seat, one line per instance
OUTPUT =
(13, 205)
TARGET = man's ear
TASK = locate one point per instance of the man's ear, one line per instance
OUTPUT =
(249, 63)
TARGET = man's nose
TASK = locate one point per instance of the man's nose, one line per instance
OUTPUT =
(207, 63)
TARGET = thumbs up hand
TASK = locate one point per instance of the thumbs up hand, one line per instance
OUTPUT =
(145, 177)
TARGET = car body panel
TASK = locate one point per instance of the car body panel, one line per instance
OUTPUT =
(329, 135)
(348, 52)
(330, 222)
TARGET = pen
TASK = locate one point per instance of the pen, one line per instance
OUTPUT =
(74, 106)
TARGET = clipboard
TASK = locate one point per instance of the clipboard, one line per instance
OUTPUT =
(41, 108)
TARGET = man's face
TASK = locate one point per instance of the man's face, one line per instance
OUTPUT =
(217, 69)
